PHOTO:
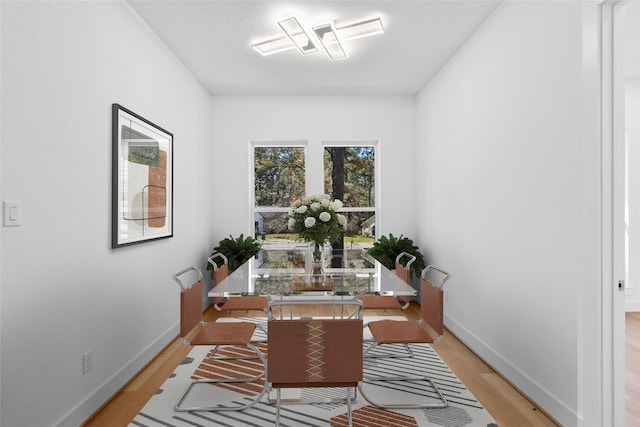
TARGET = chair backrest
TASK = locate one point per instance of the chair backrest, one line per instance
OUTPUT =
(432, 306)
(190, 301)
(190, 308)
(432, 299)
(219, 273)
(341, 308)
(403, 271)
(315, 352)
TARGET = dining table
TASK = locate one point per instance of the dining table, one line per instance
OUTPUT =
(252, 278)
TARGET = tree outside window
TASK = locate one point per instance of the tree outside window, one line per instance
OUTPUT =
(280, 178)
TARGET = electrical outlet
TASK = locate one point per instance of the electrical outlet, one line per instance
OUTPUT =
(87, 362)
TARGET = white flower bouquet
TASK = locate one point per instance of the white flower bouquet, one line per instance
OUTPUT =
(315, 219)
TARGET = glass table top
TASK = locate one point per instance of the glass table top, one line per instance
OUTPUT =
(251, 279)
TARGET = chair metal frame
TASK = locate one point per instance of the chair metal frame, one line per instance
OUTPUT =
(216, 334)
(403, 271)
(219, 273)
(407, 332)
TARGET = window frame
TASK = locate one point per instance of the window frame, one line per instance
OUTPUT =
(314, 171)
(376, 173)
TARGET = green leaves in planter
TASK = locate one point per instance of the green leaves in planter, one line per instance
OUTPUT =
(237, 250)
(386, 249)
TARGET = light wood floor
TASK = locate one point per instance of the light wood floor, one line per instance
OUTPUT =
(633, 370)
(504, 402)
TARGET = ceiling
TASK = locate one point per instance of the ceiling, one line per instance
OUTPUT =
(213, 39)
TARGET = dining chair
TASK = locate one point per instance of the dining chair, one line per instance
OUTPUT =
(388, 302)
(407, 332)
(311, 353)
(219, 274)
(236, 303)
(403, 271)
(195, 331)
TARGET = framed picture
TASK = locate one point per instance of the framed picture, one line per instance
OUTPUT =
(142, 181)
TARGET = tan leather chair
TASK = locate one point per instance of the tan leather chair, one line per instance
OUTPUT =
(403, 271)
(306, 353)
(388, 302)
(315, 353)
(239, 303)
(408, 332)
(194, 331)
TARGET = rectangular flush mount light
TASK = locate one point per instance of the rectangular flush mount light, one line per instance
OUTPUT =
(329, 41)
(360, 29)
(298, 36)
(273, 46)
(331, 37)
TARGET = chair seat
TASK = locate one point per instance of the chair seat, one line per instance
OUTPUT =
(246, 303)
(379, 302)
(398, 332)
(227, 333)
(217, 335)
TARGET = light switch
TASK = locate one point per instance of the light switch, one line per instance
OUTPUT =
(11, 213)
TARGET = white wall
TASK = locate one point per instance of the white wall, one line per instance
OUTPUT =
(501, 180)
(632, 111)
(64, 291)
(237, 120)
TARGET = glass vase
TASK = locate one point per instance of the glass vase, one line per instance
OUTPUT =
(317, 264)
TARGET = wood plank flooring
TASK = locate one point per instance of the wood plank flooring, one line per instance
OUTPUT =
(503, 401)
(633, 370)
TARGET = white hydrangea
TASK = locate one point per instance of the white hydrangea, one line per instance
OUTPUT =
(315, 206)
(302, 209)
(324, 216)
(309, 222)
(335, 205)
(342, 220)
(292, 223)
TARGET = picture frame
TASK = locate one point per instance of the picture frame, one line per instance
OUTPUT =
(142, 179)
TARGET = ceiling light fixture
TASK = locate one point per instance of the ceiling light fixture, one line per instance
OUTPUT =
(273, 46)
(329, 41)
(297, 37)
(358, 30)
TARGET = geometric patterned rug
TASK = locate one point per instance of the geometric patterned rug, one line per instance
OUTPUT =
(463, 409)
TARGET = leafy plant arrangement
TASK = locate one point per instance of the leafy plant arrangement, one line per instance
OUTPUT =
(237, 250)
(386, 249)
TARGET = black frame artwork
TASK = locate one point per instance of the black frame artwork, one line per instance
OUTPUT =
(142, 179)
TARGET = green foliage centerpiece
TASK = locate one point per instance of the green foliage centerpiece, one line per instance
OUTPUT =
(237, 250)
(315, 219)
(386, 249)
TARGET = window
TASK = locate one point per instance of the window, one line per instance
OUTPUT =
(280, 177)
(349, 175)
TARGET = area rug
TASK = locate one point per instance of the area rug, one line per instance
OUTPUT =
(463, 409)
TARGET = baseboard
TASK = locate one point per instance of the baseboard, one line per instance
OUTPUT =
(632, 305)
(86, 408)
(526, 385)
